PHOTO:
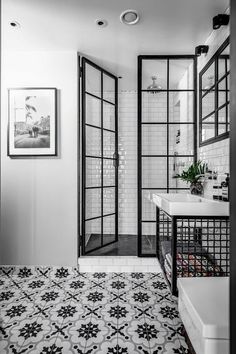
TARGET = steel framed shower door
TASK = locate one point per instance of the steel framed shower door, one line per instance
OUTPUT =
(99, 157)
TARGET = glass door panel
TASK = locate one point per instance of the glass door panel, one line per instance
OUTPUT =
(109, 116)
(166, 134)
(99, 157)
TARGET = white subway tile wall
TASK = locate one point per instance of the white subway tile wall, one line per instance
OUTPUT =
(128, 162)
(154, 141)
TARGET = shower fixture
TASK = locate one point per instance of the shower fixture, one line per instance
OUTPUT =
(154, 85)
(210, 83)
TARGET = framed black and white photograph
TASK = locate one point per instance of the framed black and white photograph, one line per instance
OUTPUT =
(32, 125)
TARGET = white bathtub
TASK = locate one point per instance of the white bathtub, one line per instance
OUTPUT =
(204, 309)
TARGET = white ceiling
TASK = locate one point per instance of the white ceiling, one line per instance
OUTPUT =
(165, 27)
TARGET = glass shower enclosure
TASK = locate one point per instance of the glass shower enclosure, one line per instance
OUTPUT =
(166, 134)
(99, 135)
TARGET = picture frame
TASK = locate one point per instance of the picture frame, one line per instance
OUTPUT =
(32, 122)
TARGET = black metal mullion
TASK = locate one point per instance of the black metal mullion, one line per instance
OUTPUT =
(96, 187)
(216, 98)
(168, 118)
(109, 102)
(117, 163)
(227, 95)
(99, 217)
(163, 188)
(165, 123)
(79, 224)
(200, 109)
(99, 98)
(211, 89)
(139, 158)
(83, 156)
(96, 127)
(168, 155)
(102, 165)
(99, 157)
(195, 108)
(168, 90)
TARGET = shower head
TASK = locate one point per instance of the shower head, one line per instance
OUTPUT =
(154, 85)
(210, 82)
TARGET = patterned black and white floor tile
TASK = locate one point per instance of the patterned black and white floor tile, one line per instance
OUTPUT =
(56, 310)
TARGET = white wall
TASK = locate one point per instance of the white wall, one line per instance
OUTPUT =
(39, 196)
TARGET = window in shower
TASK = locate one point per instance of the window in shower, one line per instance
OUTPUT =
(166, 134)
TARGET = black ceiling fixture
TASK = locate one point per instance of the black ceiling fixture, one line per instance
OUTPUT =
(201, 49)
(220, 20)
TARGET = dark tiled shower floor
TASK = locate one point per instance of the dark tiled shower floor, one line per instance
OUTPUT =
(60, 311)
(125, 246)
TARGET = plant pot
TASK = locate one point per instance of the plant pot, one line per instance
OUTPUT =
(196, 188)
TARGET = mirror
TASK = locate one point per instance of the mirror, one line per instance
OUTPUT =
(214, 124)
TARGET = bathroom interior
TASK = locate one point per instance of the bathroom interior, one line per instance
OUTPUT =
(137, 187)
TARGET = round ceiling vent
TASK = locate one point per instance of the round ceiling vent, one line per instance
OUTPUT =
(101, 23)
(129, 17)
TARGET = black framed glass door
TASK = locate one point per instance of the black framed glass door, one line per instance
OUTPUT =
(100, 158)
(167, 141)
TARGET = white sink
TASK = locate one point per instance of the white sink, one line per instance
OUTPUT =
(190, 205)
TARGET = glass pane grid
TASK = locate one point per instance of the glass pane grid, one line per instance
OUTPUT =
(99, 215)
(167, 131)
(212, 104)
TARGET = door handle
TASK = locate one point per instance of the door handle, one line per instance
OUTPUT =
(116, 160)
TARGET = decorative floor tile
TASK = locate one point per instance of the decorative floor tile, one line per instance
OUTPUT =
(167, 312)
(45, 346)
(157, 285)
(5, 282)
(56, 310)
(7, 347)
(6, 271)
(169, 347)
(15, 312)
(9, 295)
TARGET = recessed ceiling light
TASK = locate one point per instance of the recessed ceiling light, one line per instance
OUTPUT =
(101, 23)
(129, 17)
(15, 24)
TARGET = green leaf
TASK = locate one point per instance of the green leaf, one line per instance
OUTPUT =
(193, 173)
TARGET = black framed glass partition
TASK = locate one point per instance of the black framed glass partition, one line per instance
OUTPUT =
(99, 207)
(214, 90)
(166, 134)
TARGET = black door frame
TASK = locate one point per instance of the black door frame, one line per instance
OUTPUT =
(141, 58)
(232, 177)
(115, 158)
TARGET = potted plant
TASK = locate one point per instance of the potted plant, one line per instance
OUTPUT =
(193, 175)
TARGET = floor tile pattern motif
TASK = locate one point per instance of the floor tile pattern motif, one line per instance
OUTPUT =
(48, 310)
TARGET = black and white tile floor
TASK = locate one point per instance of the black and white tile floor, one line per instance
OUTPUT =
(47, 310)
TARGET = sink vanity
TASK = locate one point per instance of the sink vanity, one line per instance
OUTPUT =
(192, 236)
(187, 204)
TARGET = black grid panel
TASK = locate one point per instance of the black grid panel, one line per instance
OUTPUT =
(156, 166)
(193, 247)
(100, 159)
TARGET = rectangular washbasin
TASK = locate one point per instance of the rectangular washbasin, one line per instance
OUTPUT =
(190, 205)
